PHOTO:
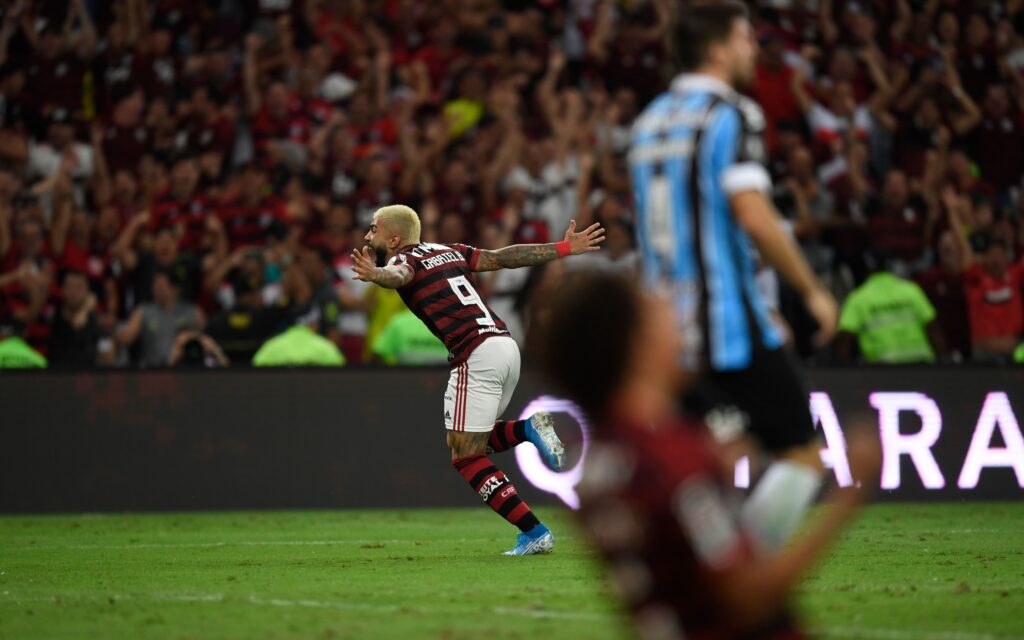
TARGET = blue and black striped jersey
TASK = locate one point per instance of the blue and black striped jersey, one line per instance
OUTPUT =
(693, 148)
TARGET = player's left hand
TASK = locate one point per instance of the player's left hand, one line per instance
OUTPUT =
(586, 240)
(364, 265)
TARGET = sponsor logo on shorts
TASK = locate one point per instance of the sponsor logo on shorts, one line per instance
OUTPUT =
(489, 487)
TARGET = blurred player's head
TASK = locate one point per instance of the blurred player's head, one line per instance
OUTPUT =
(394, 226)
(719, 39)
(605, 339)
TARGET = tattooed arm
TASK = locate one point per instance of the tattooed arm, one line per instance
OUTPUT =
(389, 277)
(526, 255)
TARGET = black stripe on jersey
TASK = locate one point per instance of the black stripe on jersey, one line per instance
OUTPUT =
(695, 221)
(467, 339)
(445, 312)
(458, 324)
(746, 133)
(444, 274)
(437, 296)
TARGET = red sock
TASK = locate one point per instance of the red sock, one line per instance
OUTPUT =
(507, 434)
(495, 489)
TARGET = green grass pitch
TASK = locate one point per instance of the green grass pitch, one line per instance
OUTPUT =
(904, 572)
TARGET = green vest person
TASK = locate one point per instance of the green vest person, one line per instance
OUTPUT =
(299, 346)
(406, 341)
(15, 353)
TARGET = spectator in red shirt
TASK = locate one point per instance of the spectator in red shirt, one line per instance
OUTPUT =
(375, 191)
(209, 132)
(57, 70)
(441, 53)
(457, 194)
(126, 138)
(773, 87)
(1001, 140)
(655, 497)
(82, 242)
(280, 133)
(943, 283)
(184, 205)
(900, 222)
(336, 235)
(976, 60)
(248, 218)
(28, 293)
(994, 297)
(158, 68)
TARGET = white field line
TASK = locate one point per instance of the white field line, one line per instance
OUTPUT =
(909, 634)
(866, 633)
(324, 543)
(903, 589)
(239, 543)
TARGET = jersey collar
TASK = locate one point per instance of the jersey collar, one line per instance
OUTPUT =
(688, 82)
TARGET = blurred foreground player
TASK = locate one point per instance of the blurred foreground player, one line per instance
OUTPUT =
(435, 282)
(702, 195)
(654, 497)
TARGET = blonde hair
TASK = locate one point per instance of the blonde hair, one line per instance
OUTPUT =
(400, 219)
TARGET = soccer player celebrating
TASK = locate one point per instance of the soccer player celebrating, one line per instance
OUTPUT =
(654, 497)
(435, 282)
(701, 190)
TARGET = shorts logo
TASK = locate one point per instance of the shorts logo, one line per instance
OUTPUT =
(489, 487)
(447, 415)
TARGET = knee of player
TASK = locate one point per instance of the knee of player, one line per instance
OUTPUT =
(467, 444)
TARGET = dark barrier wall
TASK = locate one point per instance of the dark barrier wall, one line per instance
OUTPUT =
(374, 438)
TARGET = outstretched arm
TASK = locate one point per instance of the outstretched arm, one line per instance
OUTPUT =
(390, 277)
(526, 255)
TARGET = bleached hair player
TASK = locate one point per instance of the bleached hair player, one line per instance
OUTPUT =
(436, 282)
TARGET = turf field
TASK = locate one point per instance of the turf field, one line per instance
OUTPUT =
(905, 572)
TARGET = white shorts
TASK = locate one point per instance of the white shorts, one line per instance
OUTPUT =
(480, 389)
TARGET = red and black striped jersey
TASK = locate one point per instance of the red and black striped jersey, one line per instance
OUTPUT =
(249, 225)
(192, 214)
(442, 295)
(656, 505)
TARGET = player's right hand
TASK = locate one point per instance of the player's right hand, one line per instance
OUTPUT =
(823, 308)
(363, 264)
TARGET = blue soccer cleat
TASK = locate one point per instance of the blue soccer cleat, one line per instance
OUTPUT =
(540, 430)
(537, 540)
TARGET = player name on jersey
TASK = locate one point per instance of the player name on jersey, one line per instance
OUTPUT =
(444, 258)
(442, 295)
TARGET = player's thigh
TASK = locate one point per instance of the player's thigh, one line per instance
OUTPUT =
(513, 363)
(480, 385)
(770, 396)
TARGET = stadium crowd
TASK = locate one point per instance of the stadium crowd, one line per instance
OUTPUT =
(181, 182)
